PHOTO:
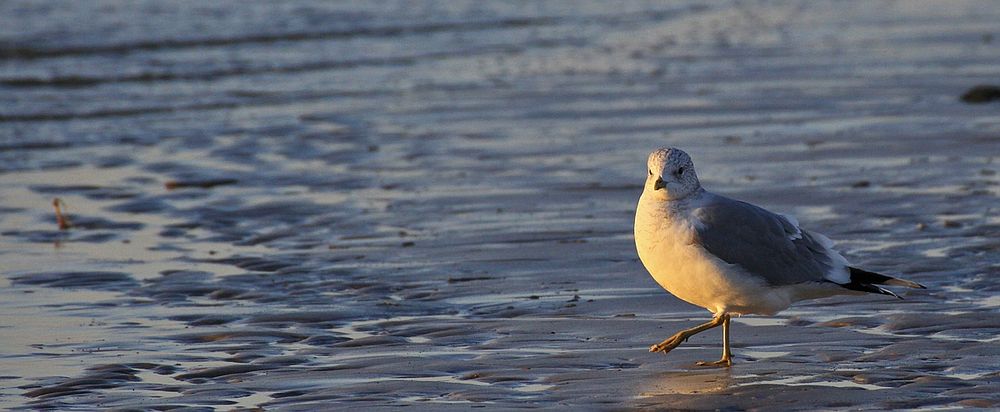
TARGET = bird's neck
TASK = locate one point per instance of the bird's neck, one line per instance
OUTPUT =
(681, 202)
(671, 209)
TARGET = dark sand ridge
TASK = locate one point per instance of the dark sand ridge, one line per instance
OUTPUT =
(449, 224)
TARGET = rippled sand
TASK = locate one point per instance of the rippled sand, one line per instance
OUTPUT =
(307, 205)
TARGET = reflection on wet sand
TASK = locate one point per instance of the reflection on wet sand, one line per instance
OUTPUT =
(319, 205)
(689, 382)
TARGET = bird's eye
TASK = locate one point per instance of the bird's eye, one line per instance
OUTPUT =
(650, 172)
(680, 171)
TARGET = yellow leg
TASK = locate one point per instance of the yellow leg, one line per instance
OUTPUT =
(678, 338)
(727, 356)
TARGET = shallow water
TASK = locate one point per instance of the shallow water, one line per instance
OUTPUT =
(429, 204)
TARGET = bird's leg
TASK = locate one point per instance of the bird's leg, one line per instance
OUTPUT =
(679, 337)
(727, 356)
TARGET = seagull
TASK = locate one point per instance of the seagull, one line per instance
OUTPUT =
(731, 257)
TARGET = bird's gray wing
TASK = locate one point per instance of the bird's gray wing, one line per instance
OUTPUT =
(765, 244)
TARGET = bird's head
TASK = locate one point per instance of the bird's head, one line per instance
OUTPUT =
(670, 174)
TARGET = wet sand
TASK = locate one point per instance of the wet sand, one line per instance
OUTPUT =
(312, 205)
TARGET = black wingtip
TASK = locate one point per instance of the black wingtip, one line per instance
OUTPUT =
(872, 278)
(867, 287)
(865, 281)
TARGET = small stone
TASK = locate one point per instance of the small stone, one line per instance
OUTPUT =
(983, 93)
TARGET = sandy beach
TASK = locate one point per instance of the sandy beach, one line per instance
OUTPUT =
(308, 205)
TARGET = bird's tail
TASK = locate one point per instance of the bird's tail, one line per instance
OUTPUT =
(865, 281)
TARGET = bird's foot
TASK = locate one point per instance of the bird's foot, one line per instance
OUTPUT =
(721, 363)
(669, 344)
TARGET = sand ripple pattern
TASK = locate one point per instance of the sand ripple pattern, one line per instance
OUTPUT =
(302, 205)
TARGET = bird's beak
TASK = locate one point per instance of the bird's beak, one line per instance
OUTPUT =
(660, 184)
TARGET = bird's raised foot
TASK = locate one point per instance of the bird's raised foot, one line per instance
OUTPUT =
(721, 363)
(668, 345)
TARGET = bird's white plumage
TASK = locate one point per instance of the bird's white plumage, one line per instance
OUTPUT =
(665, 243)
(677, 225)
(732, 257)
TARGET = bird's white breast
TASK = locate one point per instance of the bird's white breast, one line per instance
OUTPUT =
(664, 238)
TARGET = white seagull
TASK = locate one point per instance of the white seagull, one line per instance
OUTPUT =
(731, 257)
